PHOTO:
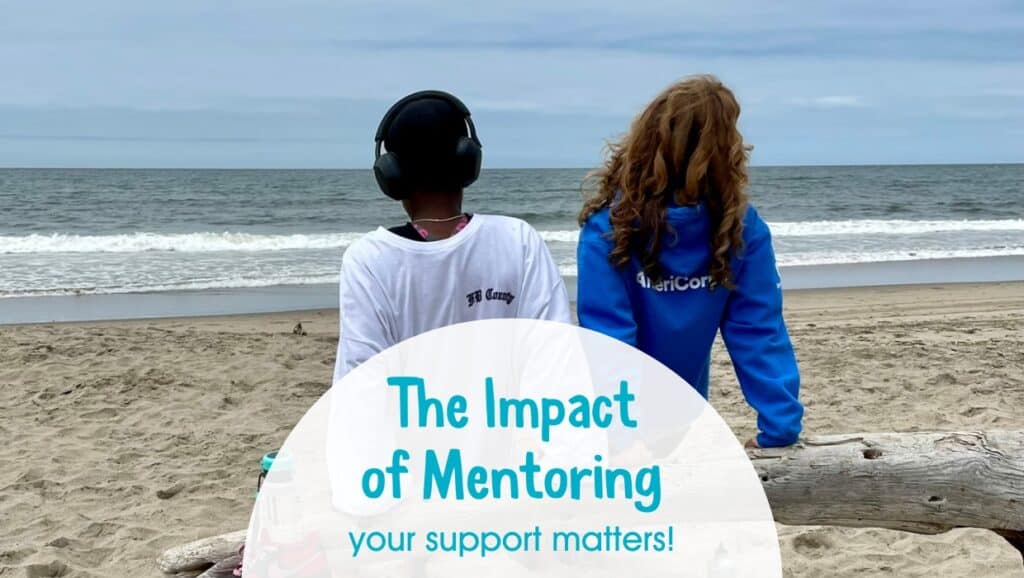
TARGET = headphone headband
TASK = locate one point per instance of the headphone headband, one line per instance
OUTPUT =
(389, 116)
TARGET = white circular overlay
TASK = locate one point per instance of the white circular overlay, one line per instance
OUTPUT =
(511, 448)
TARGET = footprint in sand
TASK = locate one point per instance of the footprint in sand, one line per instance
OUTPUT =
(11, 557)
(99, 529)
(974, 411)
(943, 379)
(813, 544)
(105, 413)
(50, 570)
(168, 493)
(61, 542)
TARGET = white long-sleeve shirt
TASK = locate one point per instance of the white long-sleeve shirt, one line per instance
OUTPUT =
(393, 288)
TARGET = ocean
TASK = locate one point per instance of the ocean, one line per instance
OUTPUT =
(71, 232)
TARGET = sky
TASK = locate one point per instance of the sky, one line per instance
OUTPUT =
(303, 84)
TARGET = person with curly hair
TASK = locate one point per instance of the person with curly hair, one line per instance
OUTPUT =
(670, 253)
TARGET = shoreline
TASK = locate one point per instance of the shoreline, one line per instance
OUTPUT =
(297, 298)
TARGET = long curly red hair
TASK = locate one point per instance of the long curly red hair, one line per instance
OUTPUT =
(684, 145)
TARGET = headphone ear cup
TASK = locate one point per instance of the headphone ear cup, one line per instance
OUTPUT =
(389, 176)
(468, 155)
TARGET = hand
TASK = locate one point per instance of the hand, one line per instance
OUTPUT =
(752, 444)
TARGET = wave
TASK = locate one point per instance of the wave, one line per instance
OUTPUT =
(174, 242)
(206, 242)
(890, 227)
(566, 266)
(844, 257)
(864, 227)
(560, 236)
(195, 242)
(234, 283)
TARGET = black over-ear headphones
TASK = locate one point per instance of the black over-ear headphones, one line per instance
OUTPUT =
(387, 168)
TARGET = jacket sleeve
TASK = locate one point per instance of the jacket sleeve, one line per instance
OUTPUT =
(603, 303)
(543, 291)
(363, 317)
(758, 343)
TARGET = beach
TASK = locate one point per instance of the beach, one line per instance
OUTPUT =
(124, 438)
(194, 196)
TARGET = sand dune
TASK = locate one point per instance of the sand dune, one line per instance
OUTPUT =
(124, 438)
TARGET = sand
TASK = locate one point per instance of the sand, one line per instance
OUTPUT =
(124, 438)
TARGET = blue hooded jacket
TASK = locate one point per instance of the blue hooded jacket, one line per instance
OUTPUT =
(675, 320)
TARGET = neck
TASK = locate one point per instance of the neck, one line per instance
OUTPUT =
(422, 206)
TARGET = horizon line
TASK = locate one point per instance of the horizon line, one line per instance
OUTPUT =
(524, 168)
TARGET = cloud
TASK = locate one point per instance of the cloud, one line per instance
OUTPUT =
(830, 102)
(826, 42)
(507, 105)
(304, 83)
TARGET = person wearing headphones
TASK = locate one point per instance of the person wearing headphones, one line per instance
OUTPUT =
(444, 265)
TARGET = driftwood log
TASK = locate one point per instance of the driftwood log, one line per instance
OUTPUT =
(926, 483)
(201, 554)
